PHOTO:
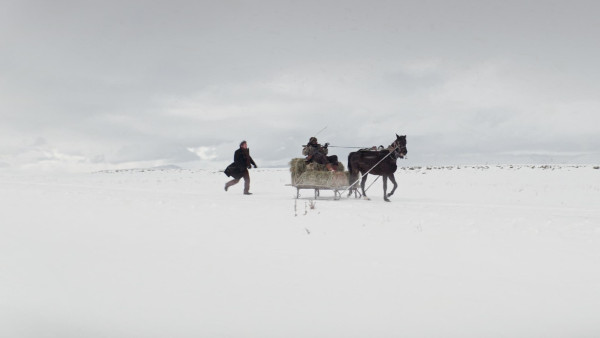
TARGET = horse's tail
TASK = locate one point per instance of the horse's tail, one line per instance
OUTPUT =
(353, 171)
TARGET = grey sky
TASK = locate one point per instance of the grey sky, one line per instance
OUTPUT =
(93, 84)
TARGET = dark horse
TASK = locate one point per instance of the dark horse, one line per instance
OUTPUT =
(381, 163)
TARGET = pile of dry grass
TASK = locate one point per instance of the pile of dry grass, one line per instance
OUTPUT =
(314, 174)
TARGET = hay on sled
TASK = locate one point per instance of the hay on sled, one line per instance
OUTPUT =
(299, 165)
(314, 174)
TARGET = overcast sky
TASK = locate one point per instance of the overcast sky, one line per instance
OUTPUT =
(108, 84)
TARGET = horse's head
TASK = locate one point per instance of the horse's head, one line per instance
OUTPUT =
(399, 146)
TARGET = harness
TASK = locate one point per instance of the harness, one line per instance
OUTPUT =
(392, 151)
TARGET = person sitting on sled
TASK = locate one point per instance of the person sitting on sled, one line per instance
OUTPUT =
(317, 153)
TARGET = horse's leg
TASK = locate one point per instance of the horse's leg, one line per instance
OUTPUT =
(362, 185)
(393, 179)
(353, 177)
(385, 198)
(353, 181)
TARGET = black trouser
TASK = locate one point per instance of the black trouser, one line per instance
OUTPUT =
(322, 159)
(246, 177)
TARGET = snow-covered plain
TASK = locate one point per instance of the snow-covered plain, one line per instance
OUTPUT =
(472, 251)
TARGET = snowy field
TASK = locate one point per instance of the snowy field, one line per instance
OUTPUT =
(494, 251)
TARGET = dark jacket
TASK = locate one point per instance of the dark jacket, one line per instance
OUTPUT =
(242, 161)
(242, 158)
(312, 148)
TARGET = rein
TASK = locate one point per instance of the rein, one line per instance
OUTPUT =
(348, 147)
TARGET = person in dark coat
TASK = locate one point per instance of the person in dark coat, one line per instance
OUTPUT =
(239, 168)
(315, 152)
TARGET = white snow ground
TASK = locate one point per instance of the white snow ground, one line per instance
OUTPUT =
(470, 252)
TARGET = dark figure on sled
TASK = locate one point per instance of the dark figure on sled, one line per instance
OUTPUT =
(317, 153)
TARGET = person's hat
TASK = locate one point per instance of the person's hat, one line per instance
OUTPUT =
(242, 143)
(312, 140)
